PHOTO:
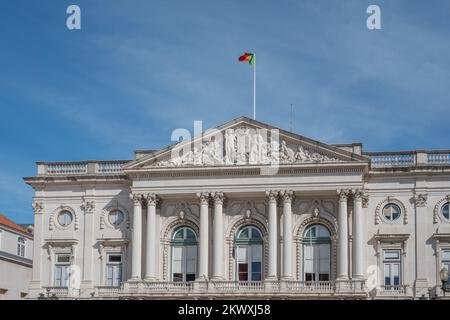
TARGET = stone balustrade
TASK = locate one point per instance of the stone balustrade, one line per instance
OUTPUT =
(80, 168)
(408, 158)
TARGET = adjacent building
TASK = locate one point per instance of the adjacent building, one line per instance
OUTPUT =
(16, 253)
(244, 210)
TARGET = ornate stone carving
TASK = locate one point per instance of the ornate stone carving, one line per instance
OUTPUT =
(244, 145)
(136, 197)
(203, 197)
(152, 199)
(38, 207)
(218, 197)
(365, 200)
(272, 195)
(287, 195)
(421, 199)
(88, 206)
(437, 209)
(382, 204)
(343, 194)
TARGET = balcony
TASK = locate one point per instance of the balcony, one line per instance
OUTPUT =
(409, 158)
(81, 168)
(394, 292)
(223, 289)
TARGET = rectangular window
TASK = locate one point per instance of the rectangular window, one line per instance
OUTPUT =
(446, 261)
(62, 265)
(242, 260)
(114, 270)
(21, 247)
(392, 268)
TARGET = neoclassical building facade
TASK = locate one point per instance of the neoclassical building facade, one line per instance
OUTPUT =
(244, 210)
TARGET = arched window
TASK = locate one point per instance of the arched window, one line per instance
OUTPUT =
(316, 253)
(249, 254)
(184, 255)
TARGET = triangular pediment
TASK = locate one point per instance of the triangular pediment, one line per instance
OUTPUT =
(241, 142)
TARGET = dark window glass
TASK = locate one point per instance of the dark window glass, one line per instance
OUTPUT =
(177, 277)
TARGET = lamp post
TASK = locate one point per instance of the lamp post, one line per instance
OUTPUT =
(443, 274)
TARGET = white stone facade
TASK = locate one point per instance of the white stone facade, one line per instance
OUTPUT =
(384, 226)
(16, 254)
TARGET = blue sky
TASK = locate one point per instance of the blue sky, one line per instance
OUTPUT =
(139, 69)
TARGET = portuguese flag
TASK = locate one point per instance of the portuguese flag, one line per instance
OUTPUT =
(247, 57)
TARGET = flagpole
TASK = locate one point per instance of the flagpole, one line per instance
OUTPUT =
(254, 86)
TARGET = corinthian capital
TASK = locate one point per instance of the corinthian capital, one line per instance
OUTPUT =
(218, 197)
(203, 197)
(272, 195)
(38, 207)
(287, 195)
(343, 194)
(152, 199)
(358, 194)
(88, 206)
(136, 197)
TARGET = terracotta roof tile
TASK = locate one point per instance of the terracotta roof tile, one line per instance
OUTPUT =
(4, 221)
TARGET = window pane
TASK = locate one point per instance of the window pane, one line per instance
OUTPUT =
(179, 235)
(116, 217)
(396, 273)
(64, 218)
(244, 233)
(190, 276)
(387, 275)
(256, 235)
(446, 255)
(323, 232)
(190, 235)
(178, 277)
(115, 258)
(324, 277)
(391, 254)
(446, 211)
(257, 253)
(177, 253)
(242, 254)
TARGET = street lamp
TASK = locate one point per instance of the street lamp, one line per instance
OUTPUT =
(444, 278)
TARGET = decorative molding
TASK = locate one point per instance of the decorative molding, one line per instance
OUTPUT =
(365, 200)
(421, 199)
(331, 226)
(272, 195)
(38, 207)
(136, 198)
(343, 194)
(152, 199)
(53, 223)
(218, 198)
(239, 222)
(241, 146)
(88, 206)
(287, 196)
(171, 225)
(379, 211)
(104, 221)
(437, 214)
(204, 197)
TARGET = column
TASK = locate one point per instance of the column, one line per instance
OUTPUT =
(136, 245)
(358, 272)
(287, 197)
(204, 236)
(88, 243)
(272, 198)
(421, 235)
(150, 257)
(36, 281)
(218, 261)
(343, 236)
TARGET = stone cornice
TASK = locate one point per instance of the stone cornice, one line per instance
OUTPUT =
(247, 170)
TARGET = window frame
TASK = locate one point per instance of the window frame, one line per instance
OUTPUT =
(64, 265)
(391, 204)
(116, 225)
(387, 261)
(442, 212)
(21, 246)
(316, 243)
(72, 217)
(251, 245)
(186, 244)
(112, 264)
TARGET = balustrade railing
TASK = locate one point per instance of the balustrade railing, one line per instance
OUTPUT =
(392, 290)
(408, 158)
(81, 168)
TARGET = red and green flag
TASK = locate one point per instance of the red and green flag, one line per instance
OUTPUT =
(247, 57)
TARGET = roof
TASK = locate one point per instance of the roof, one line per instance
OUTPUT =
(4, 221)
